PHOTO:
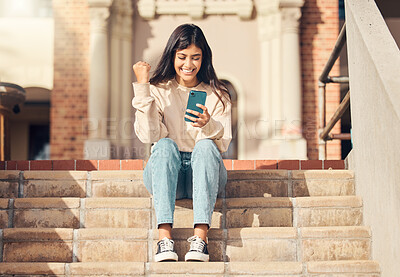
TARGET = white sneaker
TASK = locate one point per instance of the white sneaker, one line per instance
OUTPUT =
(198, 250)
(165, 251)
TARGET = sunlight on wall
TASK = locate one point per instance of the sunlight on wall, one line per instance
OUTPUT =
(26, 51)
(26, 8)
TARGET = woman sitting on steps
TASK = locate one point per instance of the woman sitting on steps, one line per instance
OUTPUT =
(186, 160)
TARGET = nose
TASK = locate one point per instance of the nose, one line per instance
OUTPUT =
(188, 63)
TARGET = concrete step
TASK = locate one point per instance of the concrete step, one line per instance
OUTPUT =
(4, 213)
(241, 244)
(43, 183)
(9, 183)
(285, 212)
(293, 183)
(281, 244)
(262, 244)
(229, 269)
(322, 183)
(102, 223)
(137, 212)
(343, 268)
(77, 213)
(37, 245)
(241, 183)
(32, 269)
(68, 245)
(327, 211)
(181, 269)
(239, 212)
(45, 212)
(105, 245)
(335, 243)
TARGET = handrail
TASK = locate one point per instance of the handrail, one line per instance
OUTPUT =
(11, 85)
(339, 79)
(325, 129)
(335, 118)
(334, 55)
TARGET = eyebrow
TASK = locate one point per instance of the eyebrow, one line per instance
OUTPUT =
(186, 55)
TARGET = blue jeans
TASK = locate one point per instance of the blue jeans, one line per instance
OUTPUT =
(171, 174)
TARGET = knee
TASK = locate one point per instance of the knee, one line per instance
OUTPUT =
(166, 143)
(166, 146)
(205, 146)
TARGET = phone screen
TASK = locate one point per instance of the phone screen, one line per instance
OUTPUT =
(195, 97)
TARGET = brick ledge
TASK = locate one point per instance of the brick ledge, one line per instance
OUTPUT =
(90, 165)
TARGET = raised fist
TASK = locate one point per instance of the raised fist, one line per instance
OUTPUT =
(142, 72)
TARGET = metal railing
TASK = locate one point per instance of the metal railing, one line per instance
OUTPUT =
(324, 79)
(5, 85)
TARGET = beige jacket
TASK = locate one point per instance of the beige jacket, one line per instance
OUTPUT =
(160, 112)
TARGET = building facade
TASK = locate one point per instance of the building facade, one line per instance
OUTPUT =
(269, 53)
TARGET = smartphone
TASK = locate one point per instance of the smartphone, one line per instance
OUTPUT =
(195, 97)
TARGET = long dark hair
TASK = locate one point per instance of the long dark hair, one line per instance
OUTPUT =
(181, 38)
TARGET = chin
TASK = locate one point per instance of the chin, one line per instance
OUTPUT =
(188, 80)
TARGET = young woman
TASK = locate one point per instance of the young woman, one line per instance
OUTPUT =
(186, 160)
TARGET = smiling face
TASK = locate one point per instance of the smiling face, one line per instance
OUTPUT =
(187, 64)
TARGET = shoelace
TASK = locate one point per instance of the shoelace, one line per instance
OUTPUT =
(166, 245)
(196, 243)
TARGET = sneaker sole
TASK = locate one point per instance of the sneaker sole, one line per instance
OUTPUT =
(196, 256)
(166, 256)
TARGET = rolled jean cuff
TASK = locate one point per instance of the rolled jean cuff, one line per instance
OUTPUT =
(205, 221)
(171, 222)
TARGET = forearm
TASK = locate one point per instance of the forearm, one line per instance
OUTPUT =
(148, 121)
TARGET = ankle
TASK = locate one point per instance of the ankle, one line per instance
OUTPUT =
(164, 231)
(201, 231)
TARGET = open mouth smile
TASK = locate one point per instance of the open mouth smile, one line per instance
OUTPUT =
(187, 71)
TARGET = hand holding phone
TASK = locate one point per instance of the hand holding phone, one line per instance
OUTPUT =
(196, 111)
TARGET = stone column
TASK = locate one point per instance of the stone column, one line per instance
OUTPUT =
(98, 146)
(121, 79)
(294, 146)
(126, 124)
(279, 127)
(268, 30)
(115, 52)
(291, 72)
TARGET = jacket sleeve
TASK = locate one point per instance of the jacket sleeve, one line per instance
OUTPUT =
(148, 116)
(219, 127)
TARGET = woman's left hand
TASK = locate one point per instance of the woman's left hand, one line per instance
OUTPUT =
(203, 117)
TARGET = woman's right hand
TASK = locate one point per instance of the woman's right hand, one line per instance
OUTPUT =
(142, 72)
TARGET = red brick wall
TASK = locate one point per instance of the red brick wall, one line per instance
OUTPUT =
(90, 165)
(319, 30)
(71, 79)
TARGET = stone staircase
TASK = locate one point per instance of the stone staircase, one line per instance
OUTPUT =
(101, 223)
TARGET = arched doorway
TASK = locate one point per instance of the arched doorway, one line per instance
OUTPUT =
(30, 128)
